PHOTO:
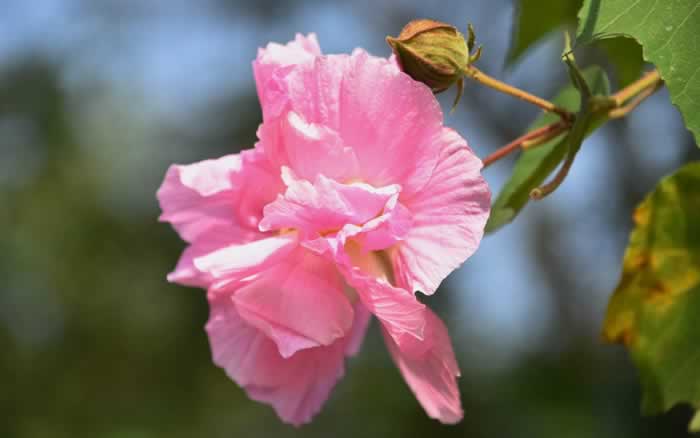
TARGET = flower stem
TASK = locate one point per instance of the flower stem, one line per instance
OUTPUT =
(651, 80)
(548, 131)
(560, 128)
(625, 109)
(545, 189)
(479, 76)
(618, 105)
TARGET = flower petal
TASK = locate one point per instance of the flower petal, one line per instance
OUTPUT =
(241, 260)
(230, 191)
(256, 185)
(210, 241)
(312, 375)
(296, 387)
(430, 369)
(398, 309)
(299, 303)
(359, 329)
(308, 148)
(326, 205)
(198, 196)
(391, 122)
(273, 63)
(384, 231)
(448, 215)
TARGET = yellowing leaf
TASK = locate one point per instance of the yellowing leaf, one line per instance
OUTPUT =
(655, 310)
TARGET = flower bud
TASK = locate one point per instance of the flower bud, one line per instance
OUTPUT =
(431, 52)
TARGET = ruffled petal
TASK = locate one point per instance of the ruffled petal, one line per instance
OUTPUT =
(430, 369)
(258, 184)
(391, 122)
(242, 260)
(308, 148)
(246, 354)
(227, 192)
(295, 387)
(312, 376)
(384, 231)
(210, 241)
(272, 65)
(326, 206)
(359, 329)
(370, 277)
(299, 303)
(185, 273)
(448, 215)
(199, 196)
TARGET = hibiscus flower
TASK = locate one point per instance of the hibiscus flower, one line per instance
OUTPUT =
(354, 198)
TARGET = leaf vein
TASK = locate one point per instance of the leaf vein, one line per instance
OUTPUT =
(620, 15)
(649, 14)
(683, 91)
(675, 31)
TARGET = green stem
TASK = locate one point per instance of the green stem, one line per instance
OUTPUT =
(548, 131)
(616, 106)
(651, 79)
(484, 79)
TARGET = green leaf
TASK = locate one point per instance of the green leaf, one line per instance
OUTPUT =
(625, 55)
(655, 310)
(533, 19)
(536, 164)
(668, 32)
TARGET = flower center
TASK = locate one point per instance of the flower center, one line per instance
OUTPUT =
(373, 263)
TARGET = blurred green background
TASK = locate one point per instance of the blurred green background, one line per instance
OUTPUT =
(97, 98)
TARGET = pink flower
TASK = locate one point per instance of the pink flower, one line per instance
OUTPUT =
(354, 198)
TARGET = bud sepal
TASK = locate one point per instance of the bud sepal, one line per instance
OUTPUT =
(434, 53)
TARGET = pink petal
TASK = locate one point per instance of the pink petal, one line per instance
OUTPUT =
(241, 260)
(359, 329)
(296, 387)
(273, 63)
(185, 272)
(198, 196)
(398, 309)
(430, 369)
(216, 206)
(211, 240)
(449, 216)
(228, 192)
(299, 303)
(384, 231)
(310, 149)
(315, 375)
(326, 205)
(246, 354)
(391, 122)
(256, 185)
(294, 52)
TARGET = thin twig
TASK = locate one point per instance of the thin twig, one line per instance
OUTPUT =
(530, 144)
(557, 127)
(650, 79)
(545, 189)
(639, 98)
(481, 77)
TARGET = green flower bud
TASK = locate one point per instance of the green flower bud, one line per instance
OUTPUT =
(432, 52)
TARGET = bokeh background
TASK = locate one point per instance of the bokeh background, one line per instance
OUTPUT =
(97, 98)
